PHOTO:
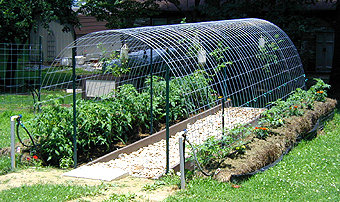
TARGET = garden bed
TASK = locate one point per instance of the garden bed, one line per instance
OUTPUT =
(150, 161)
(261, 152)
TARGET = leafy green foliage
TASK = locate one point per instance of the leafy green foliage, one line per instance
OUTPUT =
(119, 14)
(268, 51)
(319, 90)
(117, 117)
(19, 17)
(261, 132)
(295, 105)
(112, 63)
(295, 111)
(213, 148)
(219, 55)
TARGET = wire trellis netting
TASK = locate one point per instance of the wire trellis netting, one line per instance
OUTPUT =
(20, 74)
(206, 71)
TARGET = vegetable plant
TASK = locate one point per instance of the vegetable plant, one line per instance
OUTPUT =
(117, 117)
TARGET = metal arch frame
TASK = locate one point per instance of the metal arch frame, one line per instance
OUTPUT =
(170, 44)
(147, 36)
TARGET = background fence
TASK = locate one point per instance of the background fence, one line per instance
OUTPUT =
(20, 75)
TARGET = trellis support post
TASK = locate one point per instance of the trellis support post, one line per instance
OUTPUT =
(167, 118)
(223, 98)
(40, 74)
(74, 107)
(151, 93)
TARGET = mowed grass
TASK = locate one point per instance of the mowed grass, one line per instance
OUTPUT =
(49, 192)
(22, 104)
(310, 172)
(14, 105)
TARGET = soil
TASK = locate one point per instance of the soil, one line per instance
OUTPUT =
(54, 176)
(263, 152)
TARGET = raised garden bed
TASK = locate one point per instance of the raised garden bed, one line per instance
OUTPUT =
(262, 152)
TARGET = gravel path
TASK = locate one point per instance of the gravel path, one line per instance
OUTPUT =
(150, 161)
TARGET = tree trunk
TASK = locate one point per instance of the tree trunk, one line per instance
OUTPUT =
(335, 74)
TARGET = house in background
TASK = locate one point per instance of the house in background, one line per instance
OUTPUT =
(323, 41)
(55, 40)
(89, 24)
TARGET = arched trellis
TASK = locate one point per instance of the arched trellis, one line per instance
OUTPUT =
(250, 73)
(252, 62)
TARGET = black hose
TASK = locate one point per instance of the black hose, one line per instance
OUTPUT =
(197, 162)
(19, 123)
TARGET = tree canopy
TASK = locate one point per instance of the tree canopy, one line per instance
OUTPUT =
(119, 13)
(19, 17)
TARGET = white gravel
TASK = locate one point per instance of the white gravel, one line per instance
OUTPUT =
(150, 161)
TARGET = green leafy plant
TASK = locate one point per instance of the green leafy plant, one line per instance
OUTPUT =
(295, 105)
(112, 63)
(240, 149)
(274, 116)
(219, 55)
(211, 149)
(268, 51)
(117, 117)
(295, 111)
(261, 132)
(319, 90)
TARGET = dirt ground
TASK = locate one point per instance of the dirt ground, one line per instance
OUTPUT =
(54, 176)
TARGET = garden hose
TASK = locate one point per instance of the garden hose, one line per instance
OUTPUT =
(195, 157)
(19, 123)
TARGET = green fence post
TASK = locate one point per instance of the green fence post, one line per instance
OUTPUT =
(167, 118)
(39, 72)
(151, 93)
(223, 98)
(74, 107)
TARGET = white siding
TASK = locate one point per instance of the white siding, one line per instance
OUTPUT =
(53, 41)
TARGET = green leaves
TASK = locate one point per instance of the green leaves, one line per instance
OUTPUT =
(20, 17)
(295, 104)
(118, 117)
(119, 14)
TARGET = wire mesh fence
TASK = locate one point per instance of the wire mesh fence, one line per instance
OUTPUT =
(20, 75)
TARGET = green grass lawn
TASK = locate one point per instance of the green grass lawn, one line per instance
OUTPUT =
(48, 192)
(14, 105)
(310, 172)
